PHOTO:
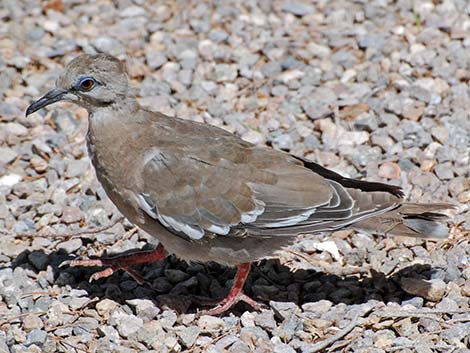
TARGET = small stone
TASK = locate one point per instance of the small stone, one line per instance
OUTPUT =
(464, 197)
(144, 308)
(297, 8)
(311, 142)
(279, 90)
(70, 246)
(321, 307)
(283, 142)
(211, 323)
(78, 302)
(444, 171)
(105, 306)
(39, 259)
(168, 319)
(71, 214)
(108, 331)
(128, 324)
(284, 309)
(32, 322)
(253, 334)
(271, 69)
(283, 348)
(154, 59)
(76, 168)
(427, 165)
(176, 276)
(265, 320)
(225, 72)
(432, 290)
(315, 110)
(247, 319)
(132, 11)
(10, 179)
(38, 164)
(389, 170)
(189, 335)
(206, 48)
(383, 339)
(7, 155)
(440, 133)
(108, 45)
(447, 304)
(36, 337)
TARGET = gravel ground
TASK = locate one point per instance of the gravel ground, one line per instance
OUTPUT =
(375, 89)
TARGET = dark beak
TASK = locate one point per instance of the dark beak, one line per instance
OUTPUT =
(50, 97)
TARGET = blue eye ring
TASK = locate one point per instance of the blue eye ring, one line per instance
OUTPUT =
(86, 84)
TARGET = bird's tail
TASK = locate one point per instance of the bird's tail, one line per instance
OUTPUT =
(410, 219)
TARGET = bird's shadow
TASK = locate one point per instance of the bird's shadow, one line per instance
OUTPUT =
(175, 284)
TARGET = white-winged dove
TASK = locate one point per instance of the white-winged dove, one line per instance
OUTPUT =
(206, 194)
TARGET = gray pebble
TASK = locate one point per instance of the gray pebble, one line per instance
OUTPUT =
(444, 171)
(7, 155)
(39, 260)
(70, 246)
(189, 335)
(297, 8)
(127, 324)
(36, 336)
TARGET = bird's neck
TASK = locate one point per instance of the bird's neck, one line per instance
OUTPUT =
(124, 108)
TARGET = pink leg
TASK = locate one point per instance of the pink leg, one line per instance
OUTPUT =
(121, 262)
(236, 294)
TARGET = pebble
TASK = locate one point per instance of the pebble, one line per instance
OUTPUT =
(265, 320)
(39, 260)
(39, 164)
(432, 290)
(284, 309)
(389, 170)
(71, 214)
(444, 171)
(7, 155)
(253, 334)
(36, 336)
(189, 335)
(225, 72)
(210, 323)
(70, 246)
(105, 306)
(144, 308)
(32, 322)
(297, 8)
(126, 324)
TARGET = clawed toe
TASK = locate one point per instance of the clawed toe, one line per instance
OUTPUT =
(226, 303)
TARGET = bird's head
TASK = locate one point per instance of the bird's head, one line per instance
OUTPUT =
(90, 81)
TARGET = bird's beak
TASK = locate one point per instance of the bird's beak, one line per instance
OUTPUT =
(54, 95)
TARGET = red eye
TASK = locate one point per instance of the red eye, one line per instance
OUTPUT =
(86, 84)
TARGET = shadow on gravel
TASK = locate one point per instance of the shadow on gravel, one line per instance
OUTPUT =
(174, 284)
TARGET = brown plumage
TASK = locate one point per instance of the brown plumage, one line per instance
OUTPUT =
(206, 194)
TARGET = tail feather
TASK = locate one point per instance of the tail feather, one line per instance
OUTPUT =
(410, 219)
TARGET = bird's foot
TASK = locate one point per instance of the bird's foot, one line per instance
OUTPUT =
(120, 262)
(229, 301)
(234, 296)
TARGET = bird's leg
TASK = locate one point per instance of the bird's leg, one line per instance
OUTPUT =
(236, 294)
(121, 262)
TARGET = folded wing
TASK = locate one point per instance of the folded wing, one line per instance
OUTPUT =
(253, 191)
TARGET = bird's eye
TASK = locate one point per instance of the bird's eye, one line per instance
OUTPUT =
(86, 84)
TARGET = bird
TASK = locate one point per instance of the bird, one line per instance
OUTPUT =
(208, 195)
